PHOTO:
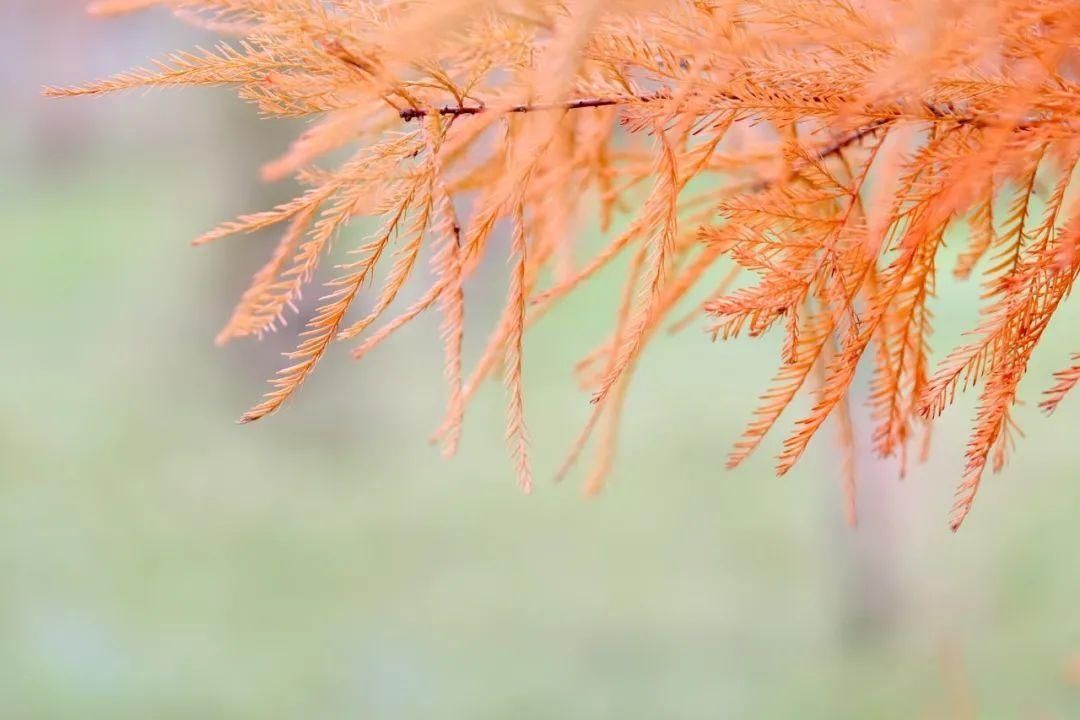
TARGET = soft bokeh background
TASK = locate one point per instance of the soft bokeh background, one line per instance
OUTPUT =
(158, 560)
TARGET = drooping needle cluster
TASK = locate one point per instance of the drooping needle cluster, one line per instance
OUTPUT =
(821, 150)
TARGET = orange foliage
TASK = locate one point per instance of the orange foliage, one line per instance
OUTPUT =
(824, 148)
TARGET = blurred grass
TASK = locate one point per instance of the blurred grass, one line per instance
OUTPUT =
(159, 560)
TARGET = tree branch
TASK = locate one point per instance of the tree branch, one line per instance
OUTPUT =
(410, 114)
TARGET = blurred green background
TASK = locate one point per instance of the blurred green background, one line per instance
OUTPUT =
(158, 560)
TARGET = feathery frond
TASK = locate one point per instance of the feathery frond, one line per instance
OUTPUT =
(822, 149)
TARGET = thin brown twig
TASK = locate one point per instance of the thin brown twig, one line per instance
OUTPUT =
(410, 114)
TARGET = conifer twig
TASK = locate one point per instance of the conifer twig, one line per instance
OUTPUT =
(410, 114)
(734, 138)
